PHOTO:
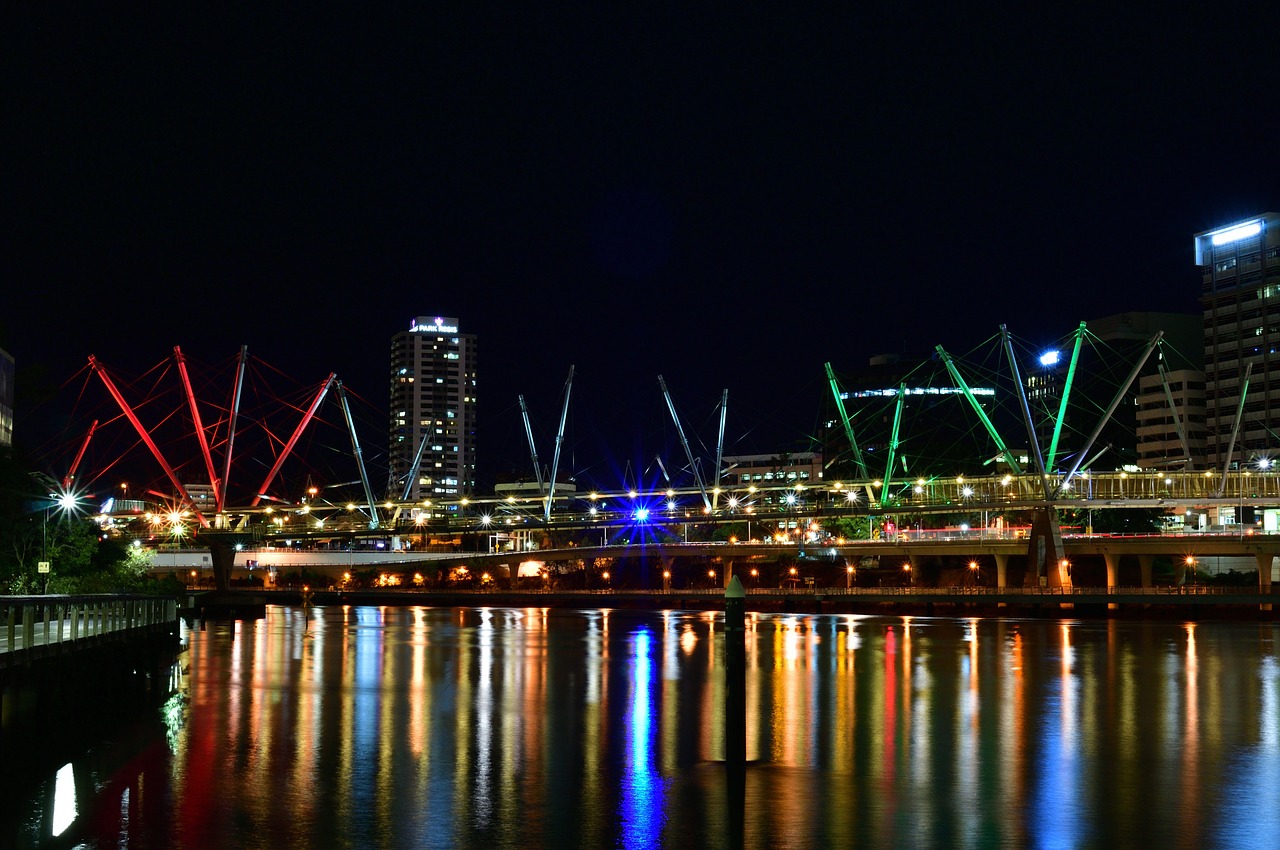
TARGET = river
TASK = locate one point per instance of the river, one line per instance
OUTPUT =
(365, 727)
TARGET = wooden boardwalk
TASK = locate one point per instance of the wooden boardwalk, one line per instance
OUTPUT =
(34, 627)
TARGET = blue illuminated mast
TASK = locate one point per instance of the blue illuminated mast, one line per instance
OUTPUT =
(555, 458)
(533, 451)
(697, 476)
(724, 409)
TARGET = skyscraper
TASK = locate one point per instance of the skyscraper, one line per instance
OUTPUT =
(1240, 292)
(433, 410)
(6, 399)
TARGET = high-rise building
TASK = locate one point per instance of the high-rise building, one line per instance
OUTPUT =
(433, 410)
(1170, 420)
(6, 399)
(1240, 293)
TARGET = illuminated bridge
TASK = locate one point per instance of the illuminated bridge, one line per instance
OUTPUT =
(1016, 502)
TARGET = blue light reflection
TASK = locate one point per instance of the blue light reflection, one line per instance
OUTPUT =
(642, 810)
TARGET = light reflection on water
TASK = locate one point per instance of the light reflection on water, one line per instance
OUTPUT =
(398, 727)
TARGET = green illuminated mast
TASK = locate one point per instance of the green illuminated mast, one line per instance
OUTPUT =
(893, 446)
(848, 426)
(1062, 405)
(977, 408)
(1106, 417)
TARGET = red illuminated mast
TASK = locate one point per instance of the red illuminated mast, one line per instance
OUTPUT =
(146, 438)
(75, 464)
(311, 411)
(199, 426)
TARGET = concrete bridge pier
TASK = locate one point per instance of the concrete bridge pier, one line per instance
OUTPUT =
(1144, 564)
(1265, 560)
(915, 561)
(1113, 573)
(1002, 570)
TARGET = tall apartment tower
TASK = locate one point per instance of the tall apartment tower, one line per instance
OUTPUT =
(1240, 292)
(6, 399)
(433, 409)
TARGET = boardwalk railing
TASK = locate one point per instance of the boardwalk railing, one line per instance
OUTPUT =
(38, 625)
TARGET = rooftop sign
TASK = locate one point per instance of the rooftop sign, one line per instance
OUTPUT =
(438, 324)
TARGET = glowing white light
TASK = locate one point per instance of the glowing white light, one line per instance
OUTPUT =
(1049, 358)
(64, 800)
(791, 499)
(1235, 234)
(642, 514)
(967, 492)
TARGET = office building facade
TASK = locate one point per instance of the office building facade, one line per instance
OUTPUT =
(433, 410)
(6, 399)
(1240, 294)
(1171, 420)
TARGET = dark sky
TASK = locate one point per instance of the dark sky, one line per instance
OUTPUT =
(729, 198)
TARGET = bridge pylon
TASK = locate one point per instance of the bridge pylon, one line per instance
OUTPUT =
(1047, 564)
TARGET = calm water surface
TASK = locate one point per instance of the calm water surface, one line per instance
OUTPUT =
(532, 728)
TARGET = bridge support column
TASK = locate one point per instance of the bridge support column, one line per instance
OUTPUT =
(1265, 560)
(1113, 569)
(915, 568)
(223, 555)
(1002, 570)
(1113, 572)
(1046, 565)
(1144, 563)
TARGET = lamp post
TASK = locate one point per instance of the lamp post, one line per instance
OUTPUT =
(43, 567)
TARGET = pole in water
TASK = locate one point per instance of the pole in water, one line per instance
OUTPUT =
(735, 709)
(735, 692)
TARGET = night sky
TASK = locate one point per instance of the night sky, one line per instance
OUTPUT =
(728, 198)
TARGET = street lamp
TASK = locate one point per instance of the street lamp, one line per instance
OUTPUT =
(848, 577)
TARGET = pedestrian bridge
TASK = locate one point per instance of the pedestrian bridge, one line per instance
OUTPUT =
(988, 545)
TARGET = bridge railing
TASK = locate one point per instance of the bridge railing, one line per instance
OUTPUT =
(34, 625)
(717, 592)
